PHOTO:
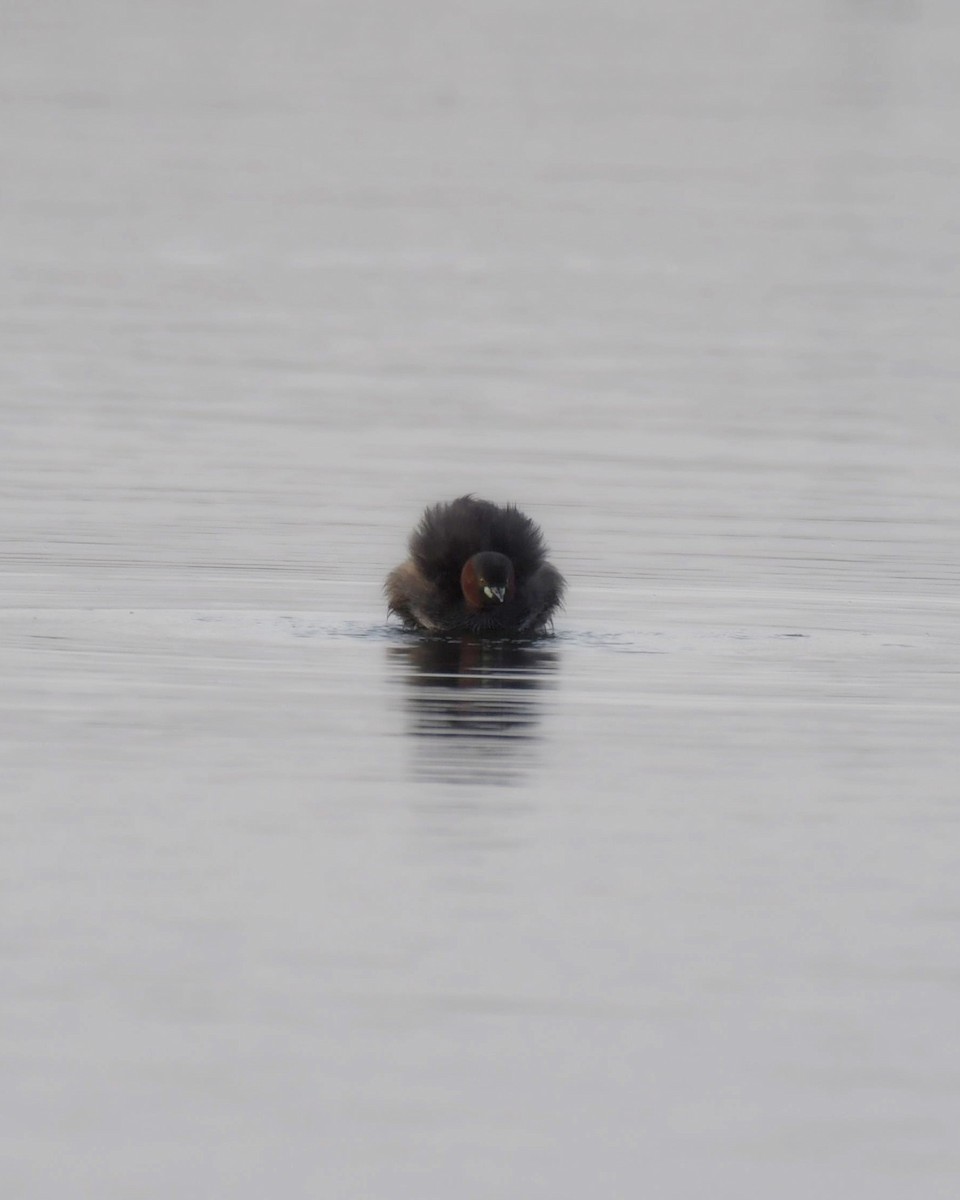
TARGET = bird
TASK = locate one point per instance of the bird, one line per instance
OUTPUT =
(475, 567)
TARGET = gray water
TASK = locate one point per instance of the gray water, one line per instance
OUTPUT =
(297, 905)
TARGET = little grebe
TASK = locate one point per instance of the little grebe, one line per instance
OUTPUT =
(475, 567)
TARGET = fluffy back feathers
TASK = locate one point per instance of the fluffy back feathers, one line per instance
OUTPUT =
(449, 534)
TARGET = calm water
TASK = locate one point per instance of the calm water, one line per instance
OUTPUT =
(298, 905)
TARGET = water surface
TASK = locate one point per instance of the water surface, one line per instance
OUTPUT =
(299, 904)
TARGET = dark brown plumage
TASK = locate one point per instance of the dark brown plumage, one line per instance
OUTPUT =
(475, 567)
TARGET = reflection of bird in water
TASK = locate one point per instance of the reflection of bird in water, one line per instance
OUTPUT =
(472, 704)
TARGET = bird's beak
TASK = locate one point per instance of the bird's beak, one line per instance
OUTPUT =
(496, 593)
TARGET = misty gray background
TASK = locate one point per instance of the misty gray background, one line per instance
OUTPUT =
(665, 906)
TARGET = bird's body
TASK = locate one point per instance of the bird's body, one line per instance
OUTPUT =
(475, 567)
